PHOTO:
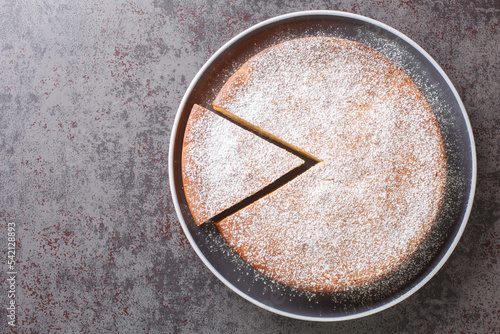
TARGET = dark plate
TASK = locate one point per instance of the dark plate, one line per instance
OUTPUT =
(460, 150)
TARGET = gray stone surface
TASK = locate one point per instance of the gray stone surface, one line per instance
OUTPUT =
(88, 94)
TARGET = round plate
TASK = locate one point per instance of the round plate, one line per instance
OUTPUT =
(461, 161)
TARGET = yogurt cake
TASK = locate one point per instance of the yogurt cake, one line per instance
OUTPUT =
(376, 192)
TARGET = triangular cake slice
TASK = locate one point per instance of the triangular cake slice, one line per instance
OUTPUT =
(223, 163)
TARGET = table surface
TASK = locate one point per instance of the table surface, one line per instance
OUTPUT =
(88, 96)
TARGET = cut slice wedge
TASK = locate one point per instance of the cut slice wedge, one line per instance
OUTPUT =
(223, 163)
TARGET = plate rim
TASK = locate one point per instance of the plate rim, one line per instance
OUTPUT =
(340, 14)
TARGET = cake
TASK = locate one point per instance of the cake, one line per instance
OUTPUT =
(376, 190)
(222, 163)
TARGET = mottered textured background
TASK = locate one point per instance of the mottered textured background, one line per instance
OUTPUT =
(88, 95)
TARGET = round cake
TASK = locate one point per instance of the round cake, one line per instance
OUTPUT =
(378, 173)
(373, 197)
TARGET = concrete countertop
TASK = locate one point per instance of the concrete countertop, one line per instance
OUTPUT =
(88, 94)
